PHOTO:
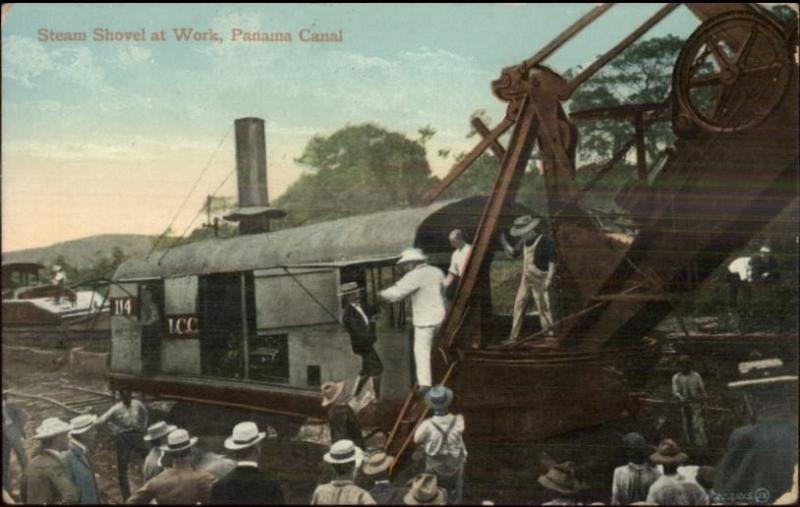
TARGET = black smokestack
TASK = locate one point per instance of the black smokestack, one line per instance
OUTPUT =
(254, 212)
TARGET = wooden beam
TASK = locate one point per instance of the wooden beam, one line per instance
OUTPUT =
(465, 162)
(484, 132)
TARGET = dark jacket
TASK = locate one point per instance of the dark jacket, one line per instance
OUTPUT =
(245, 485)
(344, 425)
(81, 473)
(761, 457)
(385, 493)
(362, 334)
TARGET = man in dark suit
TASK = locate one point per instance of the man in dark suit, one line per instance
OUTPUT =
(359, 320)
(245, 485)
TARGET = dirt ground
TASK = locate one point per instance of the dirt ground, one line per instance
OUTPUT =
(502, 473)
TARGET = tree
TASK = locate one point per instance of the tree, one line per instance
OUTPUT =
(357, 169)
(641, 74)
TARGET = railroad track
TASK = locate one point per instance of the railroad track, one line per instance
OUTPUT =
(59, 398)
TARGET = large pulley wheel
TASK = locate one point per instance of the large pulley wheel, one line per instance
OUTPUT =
(732, 73)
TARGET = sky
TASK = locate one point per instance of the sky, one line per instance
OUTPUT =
(109, 136)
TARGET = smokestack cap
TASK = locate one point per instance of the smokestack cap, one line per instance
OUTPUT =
(248, 212)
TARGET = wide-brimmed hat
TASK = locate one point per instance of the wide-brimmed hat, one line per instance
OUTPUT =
(412, 255)
(178, 440)
(668, 453)
(561, 477)
(158, 430)
(343, 451)
(376, 463)
(425, 490)
(332, 392)
(56, 267)
(764, 249)
(524, 224)
(51, 427)
(349, 288)
(244, 435)
(82, 423)
(439, 397)
(762, 373)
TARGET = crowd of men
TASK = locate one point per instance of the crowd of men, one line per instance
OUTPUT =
(759, 466)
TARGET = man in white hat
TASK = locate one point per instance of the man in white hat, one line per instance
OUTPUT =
(77, 461)
(359, 320)
(376, 467)
(181, 484)
(129, 419)
(538, 269)
(59, 280)
(245, 485)
(46, 480)
(761, 457)
(345, 458)
(423, 284)
(156, 436)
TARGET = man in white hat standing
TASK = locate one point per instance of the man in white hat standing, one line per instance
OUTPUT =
(423, 283)
(156, 436)
(458, 261)
(761, 457)
(359, 320)
(46, 480)
(245, 485)
(181, 484)
(77, 461)
(59, 280)
(538, 270)
(345, 458)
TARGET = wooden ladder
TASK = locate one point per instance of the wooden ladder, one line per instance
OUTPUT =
(411, 415)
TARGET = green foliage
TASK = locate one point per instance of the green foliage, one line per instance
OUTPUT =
(641, 74)
(357, 169)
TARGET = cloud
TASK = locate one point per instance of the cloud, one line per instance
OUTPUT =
(25, 59)
(132, 55)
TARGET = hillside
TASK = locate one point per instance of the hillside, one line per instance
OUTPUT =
(83, 253)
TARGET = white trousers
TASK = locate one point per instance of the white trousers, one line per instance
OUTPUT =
(534, 284)
(423, 343)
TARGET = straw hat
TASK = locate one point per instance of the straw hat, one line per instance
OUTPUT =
(376, 463)
(524, 224)
(668, 453)
(561, 478)
(82, 423)
(349, 288)
(760, 373)
(412, 255)
(51, 427)
(332, 392)
(245, 434)
(439, 397)
(425, 490)
(343, 451)
(158, 430)
(178, 440)
(765, 249)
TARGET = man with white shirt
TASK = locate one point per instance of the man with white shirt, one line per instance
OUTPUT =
(77, 461)
(129, 418)
(359, 320)
(245, 485)
(458, 261)
(423, 284)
